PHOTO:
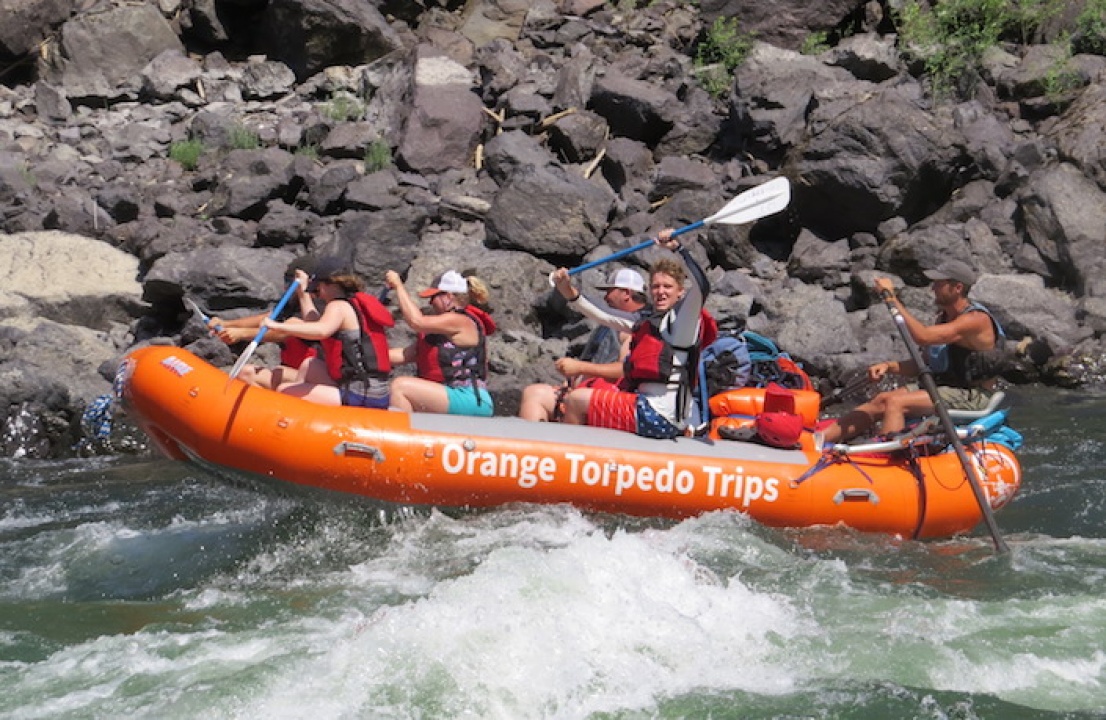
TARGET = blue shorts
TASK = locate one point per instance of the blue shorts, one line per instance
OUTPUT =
(462, 401)
(373, 393)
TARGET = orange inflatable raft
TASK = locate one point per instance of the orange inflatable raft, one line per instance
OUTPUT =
(191, 412)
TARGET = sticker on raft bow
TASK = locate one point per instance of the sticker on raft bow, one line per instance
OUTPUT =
(176, 365)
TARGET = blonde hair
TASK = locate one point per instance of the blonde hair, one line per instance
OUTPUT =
(478, 293)
(671, 268)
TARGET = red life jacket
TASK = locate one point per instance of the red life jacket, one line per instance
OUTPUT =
(294, 351)
(439, 359)
(348, 359)
(651, 357)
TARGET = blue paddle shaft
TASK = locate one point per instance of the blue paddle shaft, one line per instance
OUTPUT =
(277, 310)
(634, 249)
(261, 332)
(631, 250)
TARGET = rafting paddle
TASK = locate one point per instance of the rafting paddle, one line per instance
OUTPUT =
(248, 352)
(204, 317)
(930, 385)
(753, 204)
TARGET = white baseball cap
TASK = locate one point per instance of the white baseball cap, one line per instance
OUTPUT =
(626, 279)
(450, 281)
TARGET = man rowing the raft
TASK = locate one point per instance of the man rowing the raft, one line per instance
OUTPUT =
(962, 352)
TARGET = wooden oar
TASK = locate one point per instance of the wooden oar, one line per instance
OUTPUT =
(930, 385)
(248, 352)
(753, 204)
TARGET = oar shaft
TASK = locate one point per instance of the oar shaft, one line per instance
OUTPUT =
(264, 329)
(611, 257)
(204, 317)
(688, 228)
(930, 385)
(749, 206)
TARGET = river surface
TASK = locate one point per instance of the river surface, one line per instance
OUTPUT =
(133, 587)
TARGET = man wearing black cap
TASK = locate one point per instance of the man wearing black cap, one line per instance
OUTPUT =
(961, 349)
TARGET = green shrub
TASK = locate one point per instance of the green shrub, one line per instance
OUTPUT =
(1031, 15)
(815, 43)
(378, 156)
(1061, 78)
(720, 53)
(951, 38)
(309, 151)
(343, 108)
(1090, 29)
(242, 138)
(187, 153)
(27, 174)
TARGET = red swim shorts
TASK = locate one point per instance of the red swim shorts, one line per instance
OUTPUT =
(613, 409)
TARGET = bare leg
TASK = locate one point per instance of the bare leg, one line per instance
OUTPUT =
(853, 423)
(256, 376)
(538, 403)
(418, 395)
(900, 406)
(319, 394)
(576, 406)
(312, 382)
(862, 418)
(266, 378)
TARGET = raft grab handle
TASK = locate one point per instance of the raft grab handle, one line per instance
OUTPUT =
(346, 448)
(855, 495)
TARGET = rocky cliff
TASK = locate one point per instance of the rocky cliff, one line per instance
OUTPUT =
(151, 151)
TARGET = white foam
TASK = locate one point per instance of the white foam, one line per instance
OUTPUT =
(593, 624)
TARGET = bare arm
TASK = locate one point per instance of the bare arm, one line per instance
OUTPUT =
(571, 367)
(403, 355)
(971, 329)
(459, 328)
(906, 368)
(333, 319)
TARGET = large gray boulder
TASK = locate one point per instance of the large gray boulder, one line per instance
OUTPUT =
(549, 212)
(446, 118)
(871, 154)
(69, 279)
(1065, 217)
(29, 22)
(102, 55)
(65, 308)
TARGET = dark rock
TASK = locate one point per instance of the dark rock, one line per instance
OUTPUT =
(101, 55)
(548, 212)
(446, 118)
(310, 35)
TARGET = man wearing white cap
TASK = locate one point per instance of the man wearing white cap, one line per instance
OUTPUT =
(600, 360)
(964, 354)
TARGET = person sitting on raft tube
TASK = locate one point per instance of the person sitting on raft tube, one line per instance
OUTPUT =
(654, 399)
(450, 352)
(355, 364)
(600, 363)
(961, 349)
(293, 350)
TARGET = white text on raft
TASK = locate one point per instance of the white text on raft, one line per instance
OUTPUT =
(529, 470)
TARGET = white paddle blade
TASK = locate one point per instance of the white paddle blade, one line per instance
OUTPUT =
(754, 203)
(243, 360)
